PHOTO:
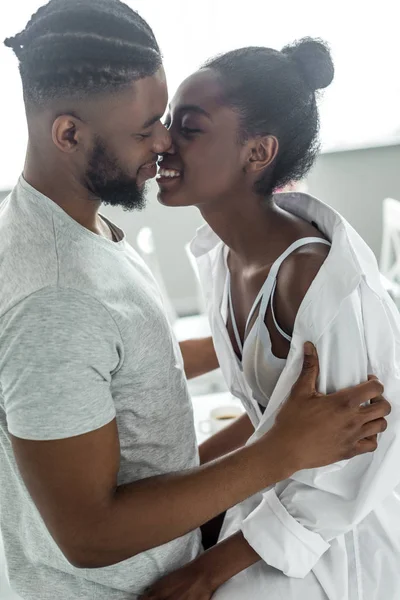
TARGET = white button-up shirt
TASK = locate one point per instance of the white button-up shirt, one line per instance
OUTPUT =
(332, 532)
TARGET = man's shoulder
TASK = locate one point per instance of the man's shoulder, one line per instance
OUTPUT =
(55, 313)
(28, 259)
(33, 261)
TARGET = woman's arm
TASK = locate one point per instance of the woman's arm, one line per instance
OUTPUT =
(226, 559)
(199, 579)
(230, 438)
(199, 356)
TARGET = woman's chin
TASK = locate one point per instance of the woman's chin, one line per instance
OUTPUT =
(171, 198)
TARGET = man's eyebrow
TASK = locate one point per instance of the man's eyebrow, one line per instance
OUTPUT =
(151, 121)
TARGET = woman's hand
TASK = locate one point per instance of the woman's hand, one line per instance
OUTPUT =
(199, 579)
(188, 583)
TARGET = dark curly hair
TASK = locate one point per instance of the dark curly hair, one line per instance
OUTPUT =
(275, 93)
(75, 48)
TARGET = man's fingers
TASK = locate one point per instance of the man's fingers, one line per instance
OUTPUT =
(372, 437)
(307, 380)
(373, 427)
(364, 392)
(366, 445)
(378, 408)
(367, 391)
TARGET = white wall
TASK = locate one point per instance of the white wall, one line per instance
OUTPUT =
(355, 183)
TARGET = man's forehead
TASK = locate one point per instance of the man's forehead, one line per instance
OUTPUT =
(143, 101)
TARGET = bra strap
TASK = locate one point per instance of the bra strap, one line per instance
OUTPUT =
(278, 327)
(233, 319)
(266, 293)
(271, 279)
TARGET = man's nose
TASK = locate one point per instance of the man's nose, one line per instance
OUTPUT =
(163, 143)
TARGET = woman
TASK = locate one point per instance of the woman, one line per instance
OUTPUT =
(278, 270)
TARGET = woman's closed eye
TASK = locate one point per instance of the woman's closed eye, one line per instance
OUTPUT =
(188, 131)
(182, 128)
(188, 126)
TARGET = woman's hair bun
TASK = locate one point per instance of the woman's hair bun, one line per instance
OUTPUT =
(314, 61)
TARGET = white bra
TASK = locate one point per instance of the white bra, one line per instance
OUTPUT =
(261, 368)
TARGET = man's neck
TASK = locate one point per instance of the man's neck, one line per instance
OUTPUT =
(65, 190)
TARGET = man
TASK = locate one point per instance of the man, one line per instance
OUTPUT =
(101, 489)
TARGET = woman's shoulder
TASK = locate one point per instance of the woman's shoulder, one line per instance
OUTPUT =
(294, 279)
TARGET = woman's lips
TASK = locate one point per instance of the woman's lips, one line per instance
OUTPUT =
(168, 177)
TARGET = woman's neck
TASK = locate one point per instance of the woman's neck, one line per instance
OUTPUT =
(244, 225)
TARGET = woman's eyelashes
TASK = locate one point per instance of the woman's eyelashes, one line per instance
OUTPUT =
(189, 131)
(182, 128)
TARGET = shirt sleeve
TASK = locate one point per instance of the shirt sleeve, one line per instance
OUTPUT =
(58, 351)
(294, 523)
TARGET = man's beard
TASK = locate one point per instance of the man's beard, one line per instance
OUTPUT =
(106, 180)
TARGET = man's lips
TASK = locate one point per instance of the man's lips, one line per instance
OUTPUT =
(147, 171)
(149, 167)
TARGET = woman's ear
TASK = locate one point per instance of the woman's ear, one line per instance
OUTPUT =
(262, 153)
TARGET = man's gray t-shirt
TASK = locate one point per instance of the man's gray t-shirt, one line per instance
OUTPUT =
(83, 339)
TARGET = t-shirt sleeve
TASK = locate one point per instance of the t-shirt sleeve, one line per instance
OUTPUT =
(58, 351)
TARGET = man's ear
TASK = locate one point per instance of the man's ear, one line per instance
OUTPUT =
(68, 133)
(262, 152)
